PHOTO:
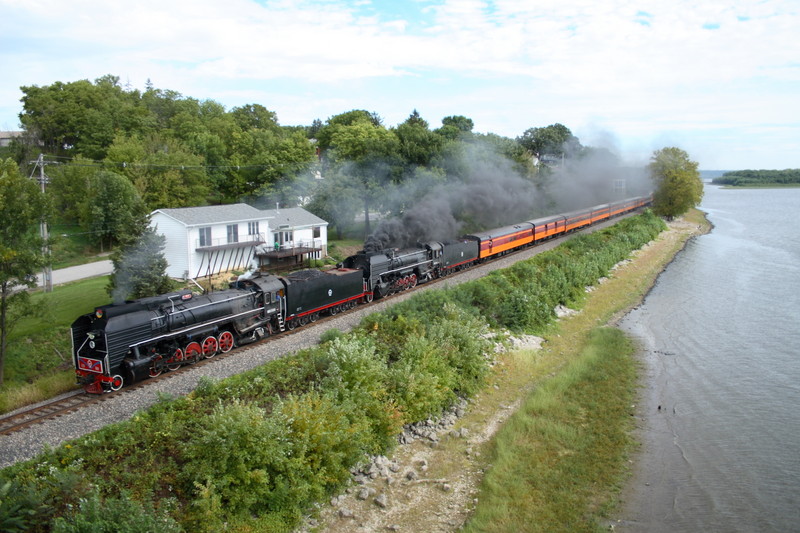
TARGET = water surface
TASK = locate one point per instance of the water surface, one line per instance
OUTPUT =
(720, 334)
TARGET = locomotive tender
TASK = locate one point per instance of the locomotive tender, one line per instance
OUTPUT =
(123, 343)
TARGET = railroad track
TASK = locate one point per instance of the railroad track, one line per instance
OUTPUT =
(53, 409)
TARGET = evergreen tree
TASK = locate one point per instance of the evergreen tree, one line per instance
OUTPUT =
(139, 268)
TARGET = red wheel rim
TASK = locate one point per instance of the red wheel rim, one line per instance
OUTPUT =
(193, 351)
(225, 341)
(210, 347)
(174, 362)
(116, 383)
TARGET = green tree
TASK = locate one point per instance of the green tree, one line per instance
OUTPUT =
(139, 268)
(417, 144)
(365, 154)
(350, 118)
(82, 117)
(255, 116)
(113, 210)
(22, 207)
(678, 186)
(163, 169)
(69, 188)
(555, 140)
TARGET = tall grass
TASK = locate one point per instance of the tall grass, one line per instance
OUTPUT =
(563, 443)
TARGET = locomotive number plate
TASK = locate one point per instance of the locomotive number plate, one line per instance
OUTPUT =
(90, 365)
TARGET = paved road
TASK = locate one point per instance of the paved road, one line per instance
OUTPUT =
(89, 270)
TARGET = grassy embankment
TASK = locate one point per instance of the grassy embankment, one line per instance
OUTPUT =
(38, 364)
(38, 361)
(559, 461)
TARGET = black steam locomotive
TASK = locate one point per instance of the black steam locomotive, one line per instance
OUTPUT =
(389, 271)
(123, 343)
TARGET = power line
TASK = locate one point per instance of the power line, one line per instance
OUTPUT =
(157, 166)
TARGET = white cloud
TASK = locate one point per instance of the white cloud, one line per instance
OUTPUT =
(630, 67)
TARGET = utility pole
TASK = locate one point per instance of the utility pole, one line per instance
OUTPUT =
(47, 272)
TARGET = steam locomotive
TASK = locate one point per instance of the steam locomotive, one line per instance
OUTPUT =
(392, 270)
(124, 343)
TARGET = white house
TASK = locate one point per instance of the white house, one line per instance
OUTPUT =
(203, 241)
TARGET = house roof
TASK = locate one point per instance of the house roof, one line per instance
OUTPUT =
(213, 214)
(229, 214)
(291, 216)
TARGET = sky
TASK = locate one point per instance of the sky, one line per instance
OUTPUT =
(721, 80)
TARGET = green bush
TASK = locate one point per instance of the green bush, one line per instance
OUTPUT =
(461, 338)
(239, 460)
(421, 381)
(327, 438)
(329, 335)
(356, 377)
(115, 515)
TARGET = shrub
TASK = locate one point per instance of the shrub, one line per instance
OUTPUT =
(330, 334)
(421, 381)
(238, 460)
(114, 515)
(460, 337)
(326, 439)
(355, 376)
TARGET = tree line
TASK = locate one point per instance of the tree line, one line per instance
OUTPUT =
(122, 153)
(745, 178)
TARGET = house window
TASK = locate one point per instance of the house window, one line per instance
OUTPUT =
(233, 233)
(252, 228)
(205, 236)
(317, 232)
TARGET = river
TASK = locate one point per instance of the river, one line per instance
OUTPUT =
(720, 339)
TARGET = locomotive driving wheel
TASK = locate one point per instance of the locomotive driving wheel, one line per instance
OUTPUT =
(193, 352)
(210, 346)
(174, 362)
(225, 341)
(156, 366)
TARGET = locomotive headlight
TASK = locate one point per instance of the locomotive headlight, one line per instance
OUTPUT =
(91, 344)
